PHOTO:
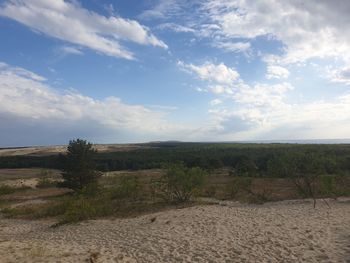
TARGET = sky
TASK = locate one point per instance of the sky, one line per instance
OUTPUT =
(116, 71)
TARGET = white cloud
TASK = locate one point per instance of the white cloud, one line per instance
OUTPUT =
(208, 71)
(69, 21)
(220, 89)
(163, 9)
(176, 28)
(21, 72)
(26, 96)
(277, 72)
(341, 75)
(288, 121)
(66, 50)
(262, 111)
(263, 95)
(234, 46)
(225, 81)
(307, 30)
(215, 102)
(253, 104)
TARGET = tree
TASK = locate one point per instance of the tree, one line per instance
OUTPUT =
(283, 165)
(78, 165)
(245, 167)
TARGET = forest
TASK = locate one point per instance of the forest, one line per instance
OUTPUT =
(245, 159)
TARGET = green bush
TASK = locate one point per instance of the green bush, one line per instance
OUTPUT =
(128, 187)
(57, 208)
(90, 190)
(179, 183)
(245, 167)
(239, 185)
(342, 184)
(259, 197)
(83, 208)
(5, 189)
(45, 182)
(241, 189)
(78, 210)
(327, 186)
(17, 212)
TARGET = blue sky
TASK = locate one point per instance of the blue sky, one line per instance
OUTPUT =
(136, 71)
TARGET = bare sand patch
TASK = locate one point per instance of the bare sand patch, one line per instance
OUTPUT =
(288, 231)
(52, 150)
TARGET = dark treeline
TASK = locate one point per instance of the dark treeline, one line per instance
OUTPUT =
(252, 159)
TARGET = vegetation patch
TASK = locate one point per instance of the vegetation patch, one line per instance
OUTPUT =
(180, 183)
(6, 189)
(248, 173)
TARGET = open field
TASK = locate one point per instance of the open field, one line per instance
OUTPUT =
(288, 231)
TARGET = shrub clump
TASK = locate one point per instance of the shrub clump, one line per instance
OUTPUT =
(239, 185)
(45, 180)
(241, 188)
(45, 183)
(6, 189)
(179, 183)
(128, 188)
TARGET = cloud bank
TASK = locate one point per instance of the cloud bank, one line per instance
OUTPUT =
(26, 100)
(263, 111)
(70, 22)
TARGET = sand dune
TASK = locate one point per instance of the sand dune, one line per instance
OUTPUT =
(288, 231)
(51, 150)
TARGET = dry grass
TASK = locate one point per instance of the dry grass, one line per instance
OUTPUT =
(31, 194)
(36, 252)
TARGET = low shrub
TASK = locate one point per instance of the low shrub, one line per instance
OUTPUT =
(17, 212)
(90, 190)
(78, 210)
(342, 184)
(127, 188)
(241, 189)
(327, 187)
(180, 183)
(239, 185)
(259, 197)
(6, 189)
(210, 191)
(45, 182)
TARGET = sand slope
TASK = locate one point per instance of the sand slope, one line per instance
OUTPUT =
(288, 231)
(52, 150)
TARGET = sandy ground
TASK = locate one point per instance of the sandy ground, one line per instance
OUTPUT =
(288, 231)
(50, 150)
(32, 182)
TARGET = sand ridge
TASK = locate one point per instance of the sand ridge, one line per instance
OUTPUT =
(288, 231)
(53, 150)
